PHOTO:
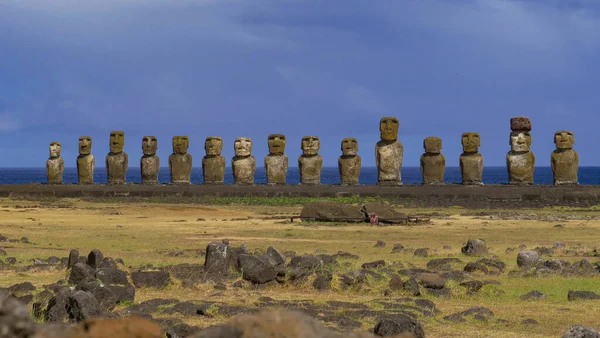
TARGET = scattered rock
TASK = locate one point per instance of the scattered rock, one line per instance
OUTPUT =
(473, 285)
(578, 331)
(527, 259)
(257, 269)
(217, 259)
(579, 295)
(421, 252)
(529, 321)
(79, 272)
(150, 279)
(430, 280)
(373, 265)
(399, 324)
(475, 247)
(83, 305)
(439, 263)
(15, 320)
(533, 295)
(380, 244)
(397, 248)
(475, 267)
(479, 313)
(94, 258)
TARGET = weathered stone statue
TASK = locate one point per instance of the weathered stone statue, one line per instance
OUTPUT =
(389, 152)
(180, 161)
(213, 164)
(565, 160)
(433, 162)
(150, 162)
(471, 161)
(276, 163)
(55, 165)
(349, 163)
(117, 160)
(243, 163)
(310, 162)
(520, 160)
(85, 161)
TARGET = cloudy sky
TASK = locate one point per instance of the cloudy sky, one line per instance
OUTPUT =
(330, 68)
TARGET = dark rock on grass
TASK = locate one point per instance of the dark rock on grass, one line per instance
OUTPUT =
(542, 250)
(73, 258)
(217, 259)
(256, 269)
(529, 321)
(373, 265)
(56, 310)
(475, 247)
(11, 260)
(108, 263)
(579, 331)
(395, 283)
(150, 279)
(94, 258)
(82, 305)
(527, 259)
(430, 280)
(380, 244)
(399, 324)
(123, 293)
(112, 276)
(439, 293)
(234, 253)
(306, 262)
(475, 267)
(479, 313)
(580, 295)
(327, 259)
(25, 240)
(79, 272)
(323, 282)
(15, 320)
(472, 286)
(346, 255)
(437, 264)
(412, 286)
(456, 275)
(275, 256)
(533, 295)
(53, 260)
(2, 252)
(182, 330)
(492, 263)
(21, 288)
(421, 252)
(151, 305)
(397, 248)
(342, 322)
(105, 297)
(184, 308)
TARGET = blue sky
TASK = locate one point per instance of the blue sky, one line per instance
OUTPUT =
(330, 68)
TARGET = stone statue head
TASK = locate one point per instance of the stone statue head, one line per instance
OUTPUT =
(181, 144)
(117, 141)
(564, 139)
(388, 128)
(471, 142)
(276, 144)
(349, 146)
(242, 146)
(213, 145)
(310, 145)
(149, 145)
(432, 145)
(85, 145)
(55, 149)
(520, 141)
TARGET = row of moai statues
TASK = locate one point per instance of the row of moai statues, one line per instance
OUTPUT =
(389, 152)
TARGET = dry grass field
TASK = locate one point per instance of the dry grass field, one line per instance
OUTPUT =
(144, 233)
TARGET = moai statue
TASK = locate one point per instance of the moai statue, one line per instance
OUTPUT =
(180, 161)
(565, 160)
(349, 163)
(433, 162)
(520, 160)
(213, 164)
(150, 162)
(389, 152)
(55, 165)
(310, 163)
(276, 163)
(243, 163)
(85, 161)
(471, 161)
(117, 160)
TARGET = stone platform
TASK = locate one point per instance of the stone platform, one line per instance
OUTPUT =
(487, 196)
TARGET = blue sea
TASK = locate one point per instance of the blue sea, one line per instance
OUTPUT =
(329, 175)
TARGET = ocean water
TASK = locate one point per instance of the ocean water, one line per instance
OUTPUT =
(329, 175)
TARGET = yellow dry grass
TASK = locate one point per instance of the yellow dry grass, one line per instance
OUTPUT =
(137, 232)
